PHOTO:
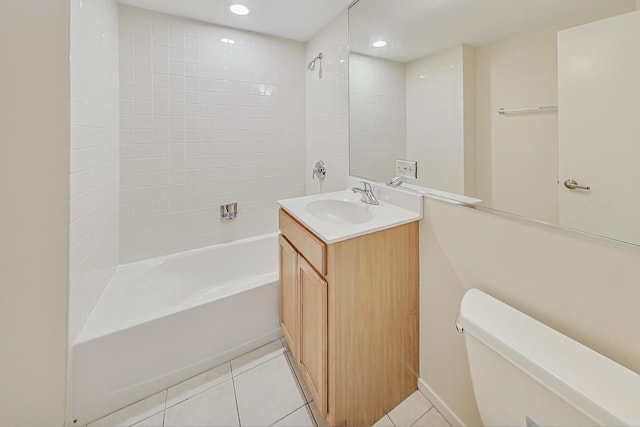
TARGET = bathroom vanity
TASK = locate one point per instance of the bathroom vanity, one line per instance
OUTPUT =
(349, 313)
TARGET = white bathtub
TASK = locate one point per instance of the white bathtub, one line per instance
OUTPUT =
(163, 320)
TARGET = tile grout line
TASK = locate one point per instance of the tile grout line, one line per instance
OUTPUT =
(202, 391)
(232, 377)
(235, 394)
(277, 421)
(120, 409)
(295, 375)
(166, 400)
(259, 364)
(313, 415)
(305, 403)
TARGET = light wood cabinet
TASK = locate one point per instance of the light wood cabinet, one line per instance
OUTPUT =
(349, 312)
(313, 334)
(289, 298)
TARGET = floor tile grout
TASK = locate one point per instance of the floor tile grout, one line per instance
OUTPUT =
(290, 363)
(235, 394)
(198, 393)
(277, 421)
(259, 364)
(232, 376)
(315, 421)
(313, 417)
(298, 381)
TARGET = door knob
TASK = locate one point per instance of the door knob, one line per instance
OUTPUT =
(572, 185)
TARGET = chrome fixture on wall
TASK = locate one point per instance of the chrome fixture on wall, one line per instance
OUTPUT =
(312, 65)
(395, 182)
(228, 211)
(319, 170)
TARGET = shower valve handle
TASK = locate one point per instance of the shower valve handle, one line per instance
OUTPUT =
(319, 170)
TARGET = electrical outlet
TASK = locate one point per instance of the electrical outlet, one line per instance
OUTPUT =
(407, 168)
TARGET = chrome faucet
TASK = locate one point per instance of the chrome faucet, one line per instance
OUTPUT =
(395, 182)
(367, 194)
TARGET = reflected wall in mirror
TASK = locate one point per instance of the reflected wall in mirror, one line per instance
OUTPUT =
(503, 101)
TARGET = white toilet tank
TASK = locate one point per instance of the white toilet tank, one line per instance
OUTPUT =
(527, 374)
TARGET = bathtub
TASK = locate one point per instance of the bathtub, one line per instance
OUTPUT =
(163, 320)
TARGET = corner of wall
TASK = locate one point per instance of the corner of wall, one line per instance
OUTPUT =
(445, 372)
(95, 163)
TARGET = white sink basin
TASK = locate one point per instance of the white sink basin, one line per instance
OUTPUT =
(341, 215)
(339, 211)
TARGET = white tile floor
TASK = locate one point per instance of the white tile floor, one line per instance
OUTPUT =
(260, 388)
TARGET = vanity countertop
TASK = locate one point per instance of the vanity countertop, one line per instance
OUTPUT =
(332, 230)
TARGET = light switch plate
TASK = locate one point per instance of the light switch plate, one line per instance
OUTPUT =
(407, 168)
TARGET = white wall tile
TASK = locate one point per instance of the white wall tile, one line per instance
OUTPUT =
(94, 170)
(435, 107)
(327, 106)
(208, 131)
(378, 116)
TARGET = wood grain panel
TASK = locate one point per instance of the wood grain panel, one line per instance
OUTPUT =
(310, 246)
(313, 334)
(373, 324)
(357, 336)
(289, 295)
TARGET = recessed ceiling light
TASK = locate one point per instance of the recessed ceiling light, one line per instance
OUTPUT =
(239, 9)
(379, 43)
(228, 41)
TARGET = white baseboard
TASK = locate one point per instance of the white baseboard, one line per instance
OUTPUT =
(439, 404)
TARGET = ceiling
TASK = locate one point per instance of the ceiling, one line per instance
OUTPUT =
(412, 28)
(292, 19)
(415, 28)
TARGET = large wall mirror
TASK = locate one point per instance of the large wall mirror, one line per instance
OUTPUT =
(520, 104)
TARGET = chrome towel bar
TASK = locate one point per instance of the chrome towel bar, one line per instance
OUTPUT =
(544, 109)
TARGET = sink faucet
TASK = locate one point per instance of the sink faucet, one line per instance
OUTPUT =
(395, 182)
(367, 193)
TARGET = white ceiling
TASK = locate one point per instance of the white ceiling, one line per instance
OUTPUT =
(292, 19)
(415, 28)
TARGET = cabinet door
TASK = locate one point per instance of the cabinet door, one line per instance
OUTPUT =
(289, 295)
(313, 336)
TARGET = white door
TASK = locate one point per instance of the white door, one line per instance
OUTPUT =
(599, 126)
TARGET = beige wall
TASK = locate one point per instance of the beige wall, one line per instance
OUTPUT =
(34, 218)
(587, 289)
(517, 155)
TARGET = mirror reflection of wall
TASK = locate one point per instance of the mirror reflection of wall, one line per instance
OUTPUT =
(413, 110)
(447, 69)
(377, 116)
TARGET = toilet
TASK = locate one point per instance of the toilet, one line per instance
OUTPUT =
(527, 374)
